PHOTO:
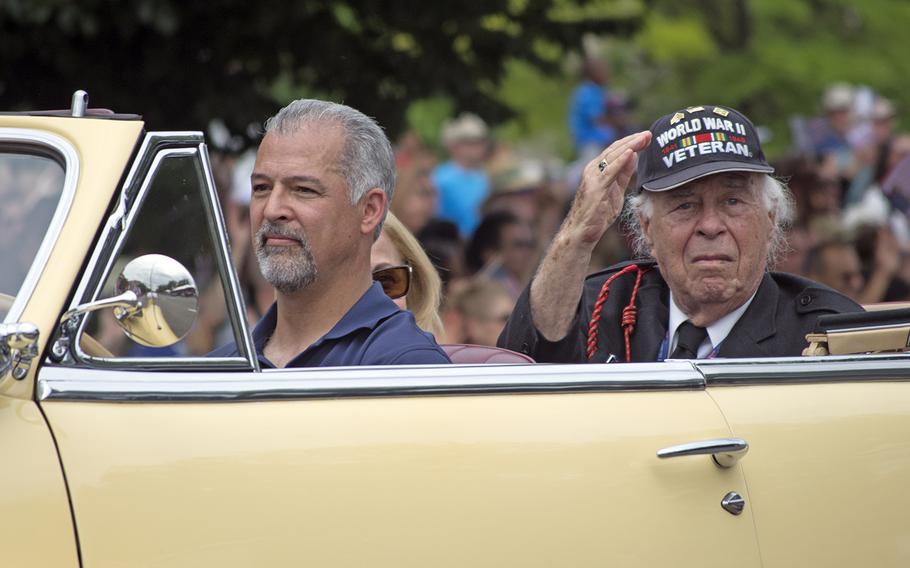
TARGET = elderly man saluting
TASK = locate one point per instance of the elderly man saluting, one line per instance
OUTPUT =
(321, 187)
(710, 216)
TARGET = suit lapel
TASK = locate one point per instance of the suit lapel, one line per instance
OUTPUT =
(756, 325)
(651, 327)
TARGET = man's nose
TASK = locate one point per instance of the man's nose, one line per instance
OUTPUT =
(277, 205)
(710, 222)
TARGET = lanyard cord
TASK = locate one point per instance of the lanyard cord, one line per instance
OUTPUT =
(629, 313)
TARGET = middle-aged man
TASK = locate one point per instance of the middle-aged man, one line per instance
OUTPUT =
(321, 186)
(710, 216)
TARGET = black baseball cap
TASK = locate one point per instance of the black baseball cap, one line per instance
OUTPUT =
(698, 141)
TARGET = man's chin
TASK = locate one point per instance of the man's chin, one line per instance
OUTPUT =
(716, 289)
(287, 276)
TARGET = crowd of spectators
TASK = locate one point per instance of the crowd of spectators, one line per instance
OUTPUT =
(485, 212)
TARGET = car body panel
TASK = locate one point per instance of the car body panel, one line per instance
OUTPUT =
(483, 480)
(36, 527)
(104, 148)
(827, 470)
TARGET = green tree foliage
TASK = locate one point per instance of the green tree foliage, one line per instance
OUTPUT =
(768, 58)
(181, 63)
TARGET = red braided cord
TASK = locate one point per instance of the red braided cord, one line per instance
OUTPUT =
(630, 315)
(598, 307)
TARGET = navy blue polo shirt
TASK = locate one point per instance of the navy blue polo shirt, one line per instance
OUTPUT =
(373, 332)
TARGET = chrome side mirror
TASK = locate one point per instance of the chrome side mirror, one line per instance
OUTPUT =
(155, 303)
(18, 347)
(166, 300)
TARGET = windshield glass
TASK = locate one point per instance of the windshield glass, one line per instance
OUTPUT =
(30, 186)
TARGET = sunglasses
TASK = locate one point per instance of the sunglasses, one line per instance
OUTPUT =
(395, 280)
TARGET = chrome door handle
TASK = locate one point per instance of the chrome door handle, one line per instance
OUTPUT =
(725, 451)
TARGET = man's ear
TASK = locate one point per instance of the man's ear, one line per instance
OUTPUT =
(373, 206)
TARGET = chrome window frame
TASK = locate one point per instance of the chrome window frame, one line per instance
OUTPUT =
(66, 152)
(155, 148)
(885, 367)
(69, 384)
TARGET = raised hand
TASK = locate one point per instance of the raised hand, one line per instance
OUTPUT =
(600, 195)
(558, 284)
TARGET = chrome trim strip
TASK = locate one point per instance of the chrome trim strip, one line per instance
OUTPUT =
(131, 186)
(236, 307)
(804, 370)
(114, 251)
(868, 328)
(67, 383)
(70, 181)
(116, 233)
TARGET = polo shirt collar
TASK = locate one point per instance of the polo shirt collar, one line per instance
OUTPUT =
(368, 311)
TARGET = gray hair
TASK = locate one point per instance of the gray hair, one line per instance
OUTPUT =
(775, 197)
(367, 159)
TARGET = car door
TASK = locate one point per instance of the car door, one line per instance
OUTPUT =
(173, 458)
(420, 466)
(829, 455)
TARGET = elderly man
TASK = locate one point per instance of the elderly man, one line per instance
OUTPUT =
(321, 186)
(710, 216)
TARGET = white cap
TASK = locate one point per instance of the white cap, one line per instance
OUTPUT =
(466, 127)
(838, 96)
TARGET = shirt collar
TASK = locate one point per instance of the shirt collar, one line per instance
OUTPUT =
(717, 331)
(369, 310)
(372, 307)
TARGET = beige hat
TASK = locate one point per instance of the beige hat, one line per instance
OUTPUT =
(467, 127)
(838, 96)
(518, 175)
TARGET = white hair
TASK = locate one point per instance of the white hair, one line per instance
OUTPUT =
(367, 159)
(775, 198)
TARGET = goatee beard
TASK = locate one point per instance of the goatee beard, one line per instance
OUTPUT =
(287, 268)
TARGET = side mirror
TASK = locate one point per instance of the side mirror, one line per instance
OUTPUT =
(155, 303)
(166, 300)
(18, 347)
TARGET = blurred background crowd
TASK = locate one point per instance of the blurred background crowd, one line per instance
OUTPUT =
(484, 210)
(495, 106)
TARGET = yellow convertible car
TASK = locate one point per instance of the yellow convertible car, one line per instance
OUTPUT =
(124, 446)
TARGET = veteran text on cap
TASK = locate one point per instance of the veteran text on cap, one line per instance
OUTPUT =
(696, 142)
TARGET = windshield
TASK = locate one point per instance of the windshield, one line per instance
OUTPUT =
(30, 186)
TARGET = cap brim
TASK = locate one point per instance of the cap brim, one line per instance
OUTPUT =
(679, 178)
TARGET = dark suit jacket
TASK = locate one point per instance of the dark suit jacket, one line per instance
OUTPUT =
(784, 310)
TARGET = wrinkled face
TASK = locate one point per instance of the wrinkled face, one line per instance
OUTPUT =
(711, 239)
(385, 255)
(300, 213)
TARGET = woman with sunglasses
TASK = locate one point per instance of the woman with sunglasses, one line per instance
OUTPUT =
(407, 275)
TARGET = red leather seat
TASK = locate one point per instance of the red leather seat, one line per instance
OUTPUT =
(465, 353)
